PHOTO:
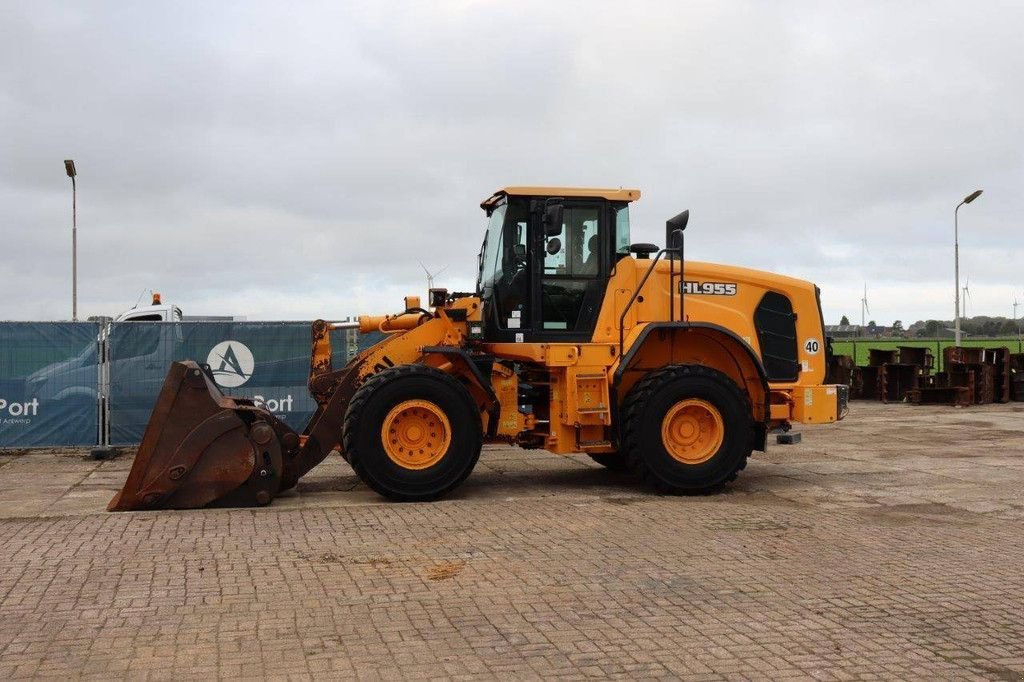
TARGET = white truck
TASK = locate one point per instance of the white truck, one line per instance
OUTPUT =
(158, 311)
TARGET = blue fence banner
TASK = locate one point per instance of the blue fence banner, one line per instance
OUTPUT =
(49, 384)
(266, 361)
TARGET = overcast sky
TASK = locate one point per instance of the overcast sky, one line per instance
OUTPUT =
(295, 160)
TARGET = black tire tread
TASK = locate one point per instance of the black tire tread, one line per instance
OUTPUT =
(359, 402)
(634, 405)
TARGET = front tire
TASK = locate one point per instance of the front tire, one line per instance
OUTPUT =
(412, 433)
(687, 429)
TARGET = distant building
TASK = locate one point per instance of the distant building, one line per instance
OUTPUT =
(855, 331)
(843, 331)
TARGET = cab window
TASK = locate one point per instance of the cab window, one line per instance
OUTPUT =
(622, 229)
(510, 273)
(576, 250)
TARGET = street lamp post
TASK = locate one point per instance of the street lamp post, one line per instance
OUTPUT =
(69, 166)
(956, 257)
(1015, 323)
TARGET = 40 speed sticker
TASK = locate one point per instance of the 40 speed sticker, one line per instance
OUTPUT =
(812, 346)
(708, 288)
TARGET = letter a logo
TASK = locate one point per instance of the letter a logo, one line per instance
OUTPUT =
(231, 363)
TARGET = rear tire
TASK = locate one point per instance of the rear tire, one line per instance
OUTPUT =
(687, 429)
(412, 433)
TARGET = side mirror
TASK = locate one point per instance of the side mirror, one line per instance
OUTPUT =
(677, 222)
(674, 228)
(553, 218)
(554, 246)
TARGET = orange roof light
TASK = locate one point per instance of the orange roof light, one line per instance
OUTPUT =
(156, 298)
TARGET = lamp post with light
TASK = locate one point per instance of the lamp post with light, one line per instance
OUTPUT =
(69, 166)
(956, 256)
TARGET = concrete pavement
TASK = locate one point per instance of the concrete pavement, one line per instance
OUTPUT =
(886, 546)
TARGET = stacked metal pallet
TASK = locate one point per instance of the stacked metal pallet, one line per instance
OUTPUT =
(891, 375)
(840, 370)
(970, 376)
(1017, 376)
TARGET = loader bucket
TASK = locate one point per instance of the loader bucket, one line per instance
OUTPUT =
(203, 448)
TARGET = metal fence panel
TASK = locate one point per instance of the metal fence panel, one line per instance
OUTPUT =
(49, 384)
(267, 361)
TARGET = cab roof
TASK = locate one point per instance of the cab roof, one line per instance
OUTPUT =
(612, 194)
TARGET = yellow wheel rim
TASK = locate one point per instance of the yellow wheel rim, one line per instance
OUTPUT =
(692, 431)
(416, 434)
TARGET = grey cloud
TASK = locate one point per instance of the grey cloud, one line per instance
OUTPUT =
(292, 161)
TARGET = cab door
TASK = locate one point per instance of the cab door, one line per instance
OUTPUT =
(570, 274)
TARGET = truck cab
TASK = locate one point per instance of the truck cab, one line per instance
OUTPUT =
(157, 311)
(546, 282)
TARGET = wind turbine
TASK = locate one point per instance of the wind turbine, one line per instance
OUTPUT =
(430, 277)
(967, 294)
(864, 310)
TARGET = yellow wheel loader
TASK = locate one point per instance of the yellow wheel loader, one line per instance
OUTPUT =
(575, 341)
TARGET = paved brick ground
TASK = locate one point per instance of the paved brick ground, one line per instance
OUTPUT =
(889, 546)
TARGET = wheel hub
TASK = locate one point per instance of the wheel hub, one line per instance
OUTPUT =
(415, 434)
(692, 431)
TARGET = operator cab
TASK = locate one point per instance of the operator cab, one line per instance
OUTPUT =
(546, 260)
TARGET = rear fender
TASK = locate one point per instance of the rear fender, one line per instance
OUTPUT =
(660, 344)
